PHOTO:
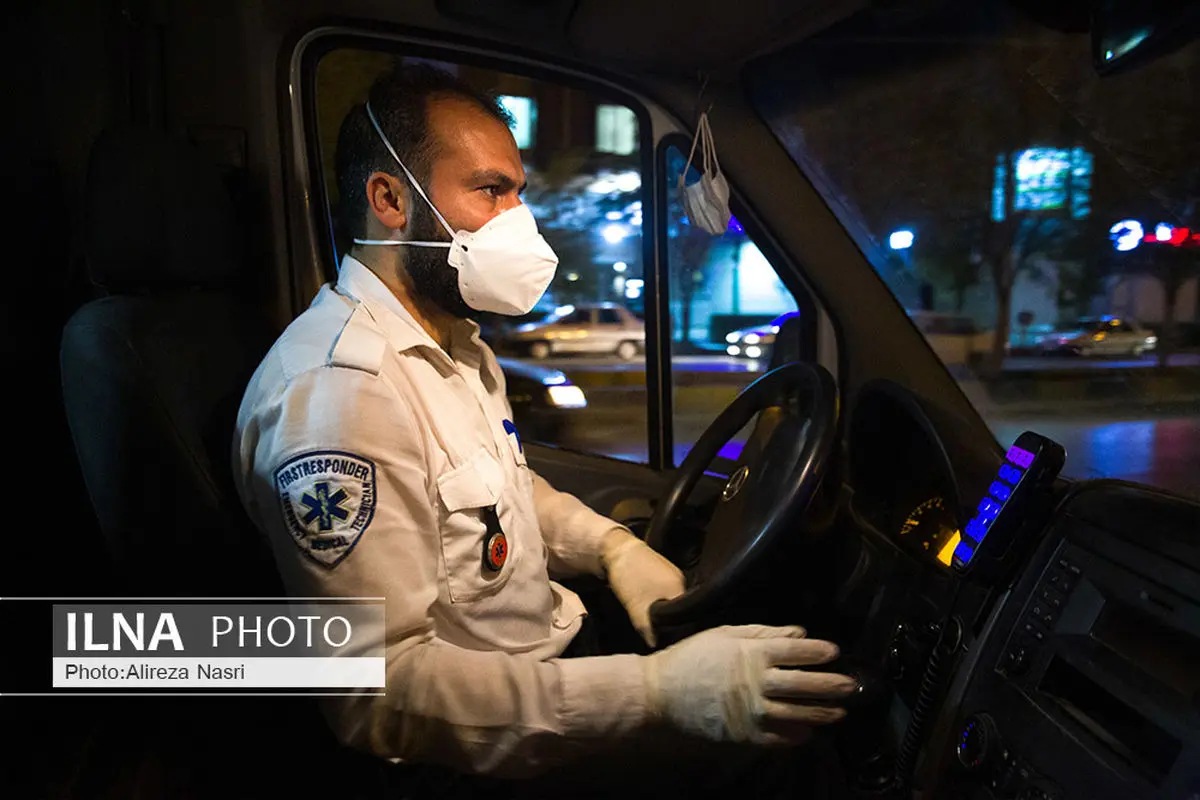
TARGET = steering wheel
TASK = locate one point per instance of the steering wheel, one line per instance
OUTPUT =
(772, 484)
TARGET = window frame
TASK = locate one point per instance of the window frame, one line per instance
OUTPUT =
(320, 235)
(316, 48)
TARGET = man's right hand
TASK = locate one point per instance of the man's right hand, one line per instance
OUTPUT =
(733, 684)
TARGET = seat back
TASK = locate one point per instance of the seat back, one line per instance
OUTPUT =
(154, 370)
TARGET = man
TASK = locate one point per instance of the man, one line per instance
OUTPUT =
(376, 451)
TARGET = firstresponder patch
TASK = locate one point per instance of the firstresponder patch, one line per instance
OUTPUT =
(328, 500)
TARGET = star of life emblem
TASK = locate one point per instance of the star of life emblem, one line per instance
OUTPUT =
(328, 499)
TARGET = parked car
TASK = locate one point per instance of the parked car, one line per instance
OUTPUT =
(543, 400)
(599, 329)
(1099, 336)
(756, 342)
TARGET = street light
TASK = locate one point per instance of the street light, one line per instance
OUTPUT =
(620, 266)
(614, 233)
(901, 239)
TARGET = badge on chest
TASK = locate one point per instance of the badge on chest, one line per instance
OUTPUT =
(495, 543)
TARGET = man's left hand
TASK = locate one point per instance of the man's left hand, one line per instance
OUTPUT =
(639, 577)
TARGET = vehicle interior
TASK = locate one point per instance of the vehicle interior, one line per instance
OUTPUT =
(1017, 632)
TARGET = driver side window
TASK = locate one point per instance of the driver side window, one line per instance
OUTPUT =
(578, 317)
(574, 378)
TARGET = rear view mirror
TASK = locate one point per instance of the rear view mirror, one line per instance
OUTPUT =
(1129, 32)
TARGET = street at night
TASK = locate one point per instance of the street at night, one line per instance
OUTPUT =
(1162, 451)
(723, 363)
(1146, 445)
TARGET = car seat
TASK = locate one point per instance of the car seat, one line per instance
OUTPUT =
(154, 369)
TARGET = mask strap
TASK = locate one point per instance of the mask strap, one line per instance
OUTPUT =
(708, 154)
(401, 242)
(411, 179)
(712, 166)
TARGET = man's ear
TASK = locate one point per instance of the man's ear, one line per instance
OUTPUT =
(388, 200)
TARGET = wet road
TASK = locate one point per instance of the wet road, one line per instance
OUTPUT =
(1160, 452)
(1130, 444)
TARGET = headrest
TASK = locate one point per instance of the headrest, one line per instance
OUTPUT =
(158, 214)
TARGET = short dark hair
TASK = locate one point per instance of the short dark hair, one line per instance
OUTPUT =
(400, 101)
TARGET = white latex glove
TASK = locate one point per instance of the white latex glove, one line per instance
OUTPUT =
(726, 684)
(638, 576)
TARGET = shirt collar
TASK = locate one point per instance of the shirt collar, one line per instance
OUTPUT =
(402, 329)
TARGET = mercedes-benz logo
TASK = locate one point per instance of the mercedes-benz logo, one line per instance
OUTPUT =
(735, 483)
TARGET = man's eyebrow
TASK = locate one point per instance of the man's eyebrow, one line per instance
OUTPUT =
(496, 177)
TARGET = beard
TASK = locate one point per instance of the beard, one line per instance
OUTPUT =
(434, 280)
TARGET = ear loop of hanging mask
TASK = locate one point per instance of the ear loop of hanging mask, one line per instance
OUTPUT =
(413, 182)
(708, 151)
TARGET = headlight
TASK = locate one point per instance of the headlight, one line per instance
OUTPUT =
(733, 349)
(569, 396)
(732, 337)
(750, 338)
(554, 379)
(1151, 340)
(753, 352)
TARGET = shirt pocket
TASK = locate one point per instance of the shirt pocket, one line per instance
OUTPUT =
(467, 492)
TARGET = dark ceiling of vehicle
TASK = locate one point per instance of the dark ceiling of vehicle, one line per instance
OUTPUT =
(710, 35)
(713, 36)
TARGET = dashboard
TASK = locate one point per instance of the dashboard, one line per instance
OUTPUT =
(1034, 638)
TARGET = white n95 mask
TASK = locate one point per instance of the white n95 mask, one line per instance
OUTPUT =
(706, 202)
(504, 267)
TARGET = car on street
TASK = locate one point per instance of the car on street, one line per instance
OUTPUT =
(1099, 336)
(543, 400)
(756, 342)
(599, 329)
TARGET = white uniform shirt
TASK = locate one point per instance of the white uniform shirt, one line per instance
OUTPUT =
(368, 456)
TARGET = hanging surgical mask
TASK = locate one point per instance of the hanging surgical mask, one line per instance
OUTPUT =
(504, 267)
(706, 202)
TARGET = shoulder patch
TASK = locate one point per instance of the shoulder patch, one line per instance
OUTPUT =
(328, 499)
(360, 345)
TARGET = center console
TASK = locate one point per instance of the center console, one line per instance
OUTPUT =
(1088, 684)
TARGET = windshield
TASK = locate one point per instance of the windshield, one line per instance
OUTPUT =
(986, 171)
